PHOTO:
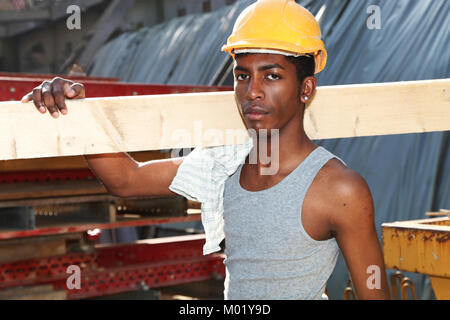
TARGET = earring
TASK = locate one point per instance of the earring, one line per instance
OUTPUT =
(306, 98)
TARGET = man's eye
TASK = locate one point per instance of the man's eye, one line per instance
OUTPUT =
(241, 77)
(273, 77)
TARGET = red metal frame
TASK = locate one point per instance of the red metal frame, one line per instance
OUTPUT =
(113, 268)
(16, 88)
(46, 176)
(13, 86)
(119, 268)
(70, 175)
(51, 76)
(73, 228)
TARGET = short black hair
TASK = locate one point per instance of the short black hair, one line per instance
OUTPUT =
(304, 65)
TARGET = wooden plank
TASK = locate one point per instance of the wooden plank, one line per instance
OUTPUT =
(16, 250)
(40, 292)
(442, 212)
(437, 214)
(379, 109)
(11, 253)
(441, 223)
(112, 212)
(78, 227)
(104, 125)
(15, 191)
(56, 201)
(74, 200)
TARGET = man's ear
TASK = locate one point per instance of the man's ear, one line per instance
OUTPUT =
(308, 89)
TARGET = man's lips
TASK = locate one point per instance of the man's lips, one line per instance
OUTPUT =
(255, 112)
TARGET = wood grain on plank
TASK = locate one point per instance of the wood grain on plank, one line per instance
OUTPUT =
(107, 125)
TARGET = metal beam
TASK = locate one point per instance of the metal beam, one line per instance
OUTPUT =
(59, 9)
(108, 23)
(119, 268)
(17, 16)
(55, 12)
(12, 88)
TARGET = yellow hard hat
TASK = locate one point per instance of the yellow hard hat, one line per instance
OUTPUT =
(281, 26)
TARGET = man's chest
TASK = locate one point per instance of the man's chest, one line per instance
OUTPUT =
(312, 210)
(279, 211)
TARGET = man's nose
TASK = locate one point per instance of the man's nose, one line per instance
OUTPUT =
(255, 89)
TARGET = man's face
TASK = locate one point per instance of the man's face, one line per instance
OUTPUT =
(266, 90)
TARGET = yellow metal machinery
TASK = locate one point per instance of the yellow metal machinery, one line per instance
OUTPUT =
(421, 246)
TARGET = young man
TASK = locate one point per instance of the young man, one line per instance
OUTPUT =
(283, 231)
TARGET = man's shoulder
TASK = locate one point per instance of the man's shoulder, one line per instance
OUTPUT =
(341, 179)
(338, 196)
(341, 188)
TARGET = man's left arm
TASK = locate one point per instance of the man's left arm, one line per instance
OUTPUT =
(353, 226)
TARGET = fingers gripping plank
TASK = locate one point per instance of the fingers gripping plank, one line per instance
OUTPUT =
(109, 125)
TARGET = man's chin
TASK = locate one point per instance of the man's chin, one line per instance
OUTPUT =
(257, 126)
(262, 131)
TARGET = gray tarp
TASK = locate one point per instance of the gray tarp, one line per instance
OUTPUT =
(408, 174)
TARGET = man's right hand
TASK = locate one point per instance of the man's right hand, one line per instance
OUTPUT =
(121, 175)
(52, 94)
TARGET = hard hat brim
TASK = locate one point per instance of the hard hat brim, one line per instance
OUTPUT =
(318, 52)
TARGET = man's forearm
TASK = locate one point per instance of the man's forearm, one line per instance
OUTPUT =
(114, 170)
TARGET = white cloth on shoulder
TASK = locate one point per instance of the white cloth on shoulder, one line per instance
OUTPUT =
(201, 177)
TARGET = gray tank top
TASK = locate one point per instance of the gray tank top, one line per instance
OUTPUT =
(269, 255)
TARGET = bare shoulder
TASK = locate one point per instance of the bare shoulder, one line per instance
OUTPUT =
(343, 182)
(346, 195)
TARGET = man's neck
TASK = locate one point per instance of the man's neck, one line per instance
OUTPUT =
(286, 148)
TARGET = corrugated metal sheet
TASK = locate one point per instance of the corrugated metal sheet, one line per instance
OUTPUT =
(182, 50)
(408, 174)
